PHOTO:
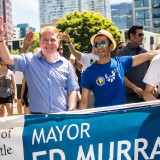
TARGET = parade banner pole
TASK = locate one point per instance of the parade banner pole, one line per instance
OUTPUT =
(117, 107)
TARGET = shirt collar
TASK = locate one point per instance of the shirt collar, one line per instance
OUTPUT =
(133, 47)
(60, 58)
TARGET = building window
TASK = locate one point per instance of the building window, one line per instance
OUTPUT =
(141, 3)
(142, 14)
(155, 3)
(142, 17)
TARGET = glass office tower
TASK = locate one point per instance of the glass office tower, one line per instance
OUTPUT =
(52, 10)
(146, 13)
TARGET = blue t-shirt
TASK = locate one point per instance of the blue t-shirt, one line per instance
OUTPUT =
(107, 81)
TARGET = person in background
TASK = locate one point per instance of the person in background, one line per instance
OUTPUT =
(51, 80)
(106, 76)
(18, 80)
(60, 49)
(134, 79)
(28, 41)
(152, 79)
(78, 70)
(86, 59)
(157, 47)
(73, 62)
(25, 96)
(120, 45)
(77, 66)
(24, 89)
(8, 90)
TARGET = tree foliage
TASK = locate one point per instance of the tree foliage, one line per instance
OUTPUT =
(82, 25)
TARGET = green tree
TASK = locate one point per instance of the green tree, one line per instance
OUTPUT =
(82, 25)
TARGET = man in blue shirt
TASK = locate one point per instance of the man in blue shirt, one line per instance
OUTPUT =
(51, 79)
(106, 76)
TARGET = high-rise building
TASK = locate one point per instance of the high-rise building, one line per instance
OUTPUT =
(122, 15)
(6, 13)
(146, 13)
(1, 8)
(102, 6)
(52, 10)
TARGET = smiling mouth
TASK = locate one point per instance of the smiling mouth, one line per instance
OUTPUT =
(100, 52)
(49, 47)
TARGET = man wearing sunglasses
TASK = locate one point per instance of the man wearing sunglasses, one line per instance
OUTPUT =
(106, 76)
(134, 79)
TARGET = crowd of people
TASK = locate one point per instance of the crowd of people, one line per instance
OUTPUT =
(51, 83)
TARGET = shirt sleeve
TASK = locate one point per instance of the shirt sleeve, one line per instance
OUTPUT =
(152, 76)
(21, 61)
(84, 60)
(85, 80)
(72, 80)
(127, 63)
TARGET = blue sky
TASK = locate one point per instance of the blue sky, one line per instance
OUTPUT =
(26, 11)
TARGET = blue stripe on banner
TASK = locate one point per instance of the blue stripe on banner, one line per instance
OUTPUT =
(124, 134)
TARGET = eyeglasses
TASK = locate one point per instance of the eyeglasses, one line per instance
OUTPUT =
(102, 43)
(140, 34)
(59, 49)
(120, 47)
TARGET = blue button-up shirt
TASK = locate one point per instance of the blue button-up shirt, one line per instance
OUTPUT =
(48, 83)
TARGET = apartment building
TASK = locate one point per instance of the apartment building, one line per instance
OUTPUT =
(6, 13)
(146, 13)
(52, 10)
(122, 15)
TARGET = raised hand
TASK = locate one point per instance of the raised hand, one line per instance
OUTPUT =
(29, 39)
(64, 36)
(3, 29)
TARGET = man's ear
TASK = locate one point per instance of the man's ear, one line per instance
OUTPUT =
(131, 35)
(111, 47)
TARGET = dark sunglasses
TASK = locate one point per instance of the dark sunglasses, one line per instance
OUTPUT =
(59, 49)
(120, 47)
(140, 34)
(102, 43)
